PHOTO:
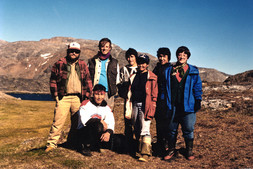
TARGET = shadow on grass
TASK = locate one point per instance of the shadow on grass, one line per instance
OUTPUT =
(36, 151)
(118, 144)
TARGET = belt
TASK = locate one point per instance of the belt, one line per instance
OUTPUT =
(73, 94)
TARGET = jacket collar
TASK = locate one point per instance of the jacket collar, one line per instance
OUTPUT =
(165, 65)
(97, 56)
(193, 69)
(151, 76)
(103, 104)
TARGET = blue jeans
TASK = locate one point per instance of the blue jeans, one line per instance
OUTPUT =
(187, 122)
(141, 126)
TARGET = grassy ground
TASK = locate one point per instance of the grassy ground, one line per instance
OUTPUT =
(222, 140)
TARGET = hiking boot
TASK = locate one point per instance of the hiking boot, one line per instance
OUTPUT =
(50, 148)
(190, 157)
(86, 152)
(169, 154)
(143, 158)
(189, 153)
(189, 148)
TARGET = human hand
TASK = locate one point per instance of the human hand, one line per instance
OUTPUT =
(104, 124)
(105, 137)
(197, 105)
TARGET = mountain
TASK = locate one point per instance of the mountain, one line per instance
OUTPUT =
(26, 65)
(245, 78)
(212, 75)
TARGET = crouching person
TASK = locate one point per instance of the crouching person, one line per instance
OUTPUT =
(141, 105)
(96, 123)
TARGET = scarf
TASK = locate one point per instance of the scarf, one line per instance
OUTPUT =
(104, 57)
(179, 69)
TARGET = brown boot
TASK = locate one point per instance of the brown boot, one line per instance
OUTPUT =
(169, 154)
(170, 149)
(49, 148)
(189, 148)
(145, 148)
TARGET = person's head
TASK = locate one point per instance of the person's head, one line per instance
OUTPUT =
(143, 62)
(73, 51)
(105, 46)
(99, 93)
(183, 54)
(163, 55)
(131, 55)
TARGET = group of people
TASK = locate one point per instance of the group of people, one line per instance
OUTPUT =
(171, 93)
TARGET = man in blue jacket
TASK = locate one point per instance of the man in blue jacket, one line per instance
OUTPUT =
(184, 95)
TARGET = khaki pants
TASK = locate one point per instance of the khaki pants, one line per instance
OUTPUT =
(62, 108)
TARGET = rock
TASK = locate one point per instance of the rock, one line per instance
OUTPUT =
(5, 96)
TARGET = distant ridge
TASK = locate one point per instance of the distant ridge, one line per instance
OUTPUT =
(26, 65)
(212, 75)
(245, 78)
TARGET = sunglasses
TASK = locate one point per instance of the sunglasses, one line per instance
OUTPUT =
(74, 50)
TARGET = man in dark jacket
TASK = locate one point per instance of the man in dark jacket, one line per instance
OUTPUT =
(163, 55)
(104, 70)
(70, 84)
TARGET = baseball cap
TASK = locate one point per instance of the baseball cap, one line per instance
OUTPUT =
(74, 45)
(143, 58)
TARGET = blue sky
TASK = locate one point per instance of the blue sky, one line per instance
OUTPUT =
(219, 33)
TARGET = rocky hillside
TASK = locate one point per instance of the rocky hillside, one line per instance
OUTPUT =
(212, 75)
(31, 59)
(244, 78)
(25, 65)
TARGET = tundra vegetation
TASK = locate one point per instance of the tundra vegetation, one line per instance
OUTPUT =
(223, 136)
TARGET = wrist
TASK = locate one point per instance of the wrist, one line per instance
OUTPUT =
(110, 131)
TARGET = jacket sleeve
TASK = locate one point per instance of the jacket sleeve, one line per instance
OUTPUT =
(109, 119)
(53, 81)
(197, 88)
(155, 70)
(124, 84)
(84, 116)
(154, 93)
(118, 75)
(88, 83)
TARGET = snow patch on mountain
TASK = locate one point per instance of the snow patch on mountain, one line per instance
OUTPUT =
(202, 71)
(46, 55)
(44, 63)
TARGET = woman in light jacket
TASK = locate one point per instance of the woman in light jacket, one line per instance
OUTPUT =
(141, 104)
(125, 73)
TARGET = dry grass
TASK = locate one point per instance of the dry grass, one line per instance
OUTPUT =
(222, 140)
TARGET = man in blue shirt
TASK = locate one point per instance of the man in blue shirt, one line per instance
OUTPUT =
(104, 70)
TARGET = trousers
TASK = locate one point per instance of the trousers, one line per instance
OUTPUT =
(67, 105)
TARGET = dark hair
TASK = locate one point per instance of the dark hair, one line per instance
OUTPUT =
(183, 49)
(164, 51)
(103, 41)
(130, 52)
(99, 87)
